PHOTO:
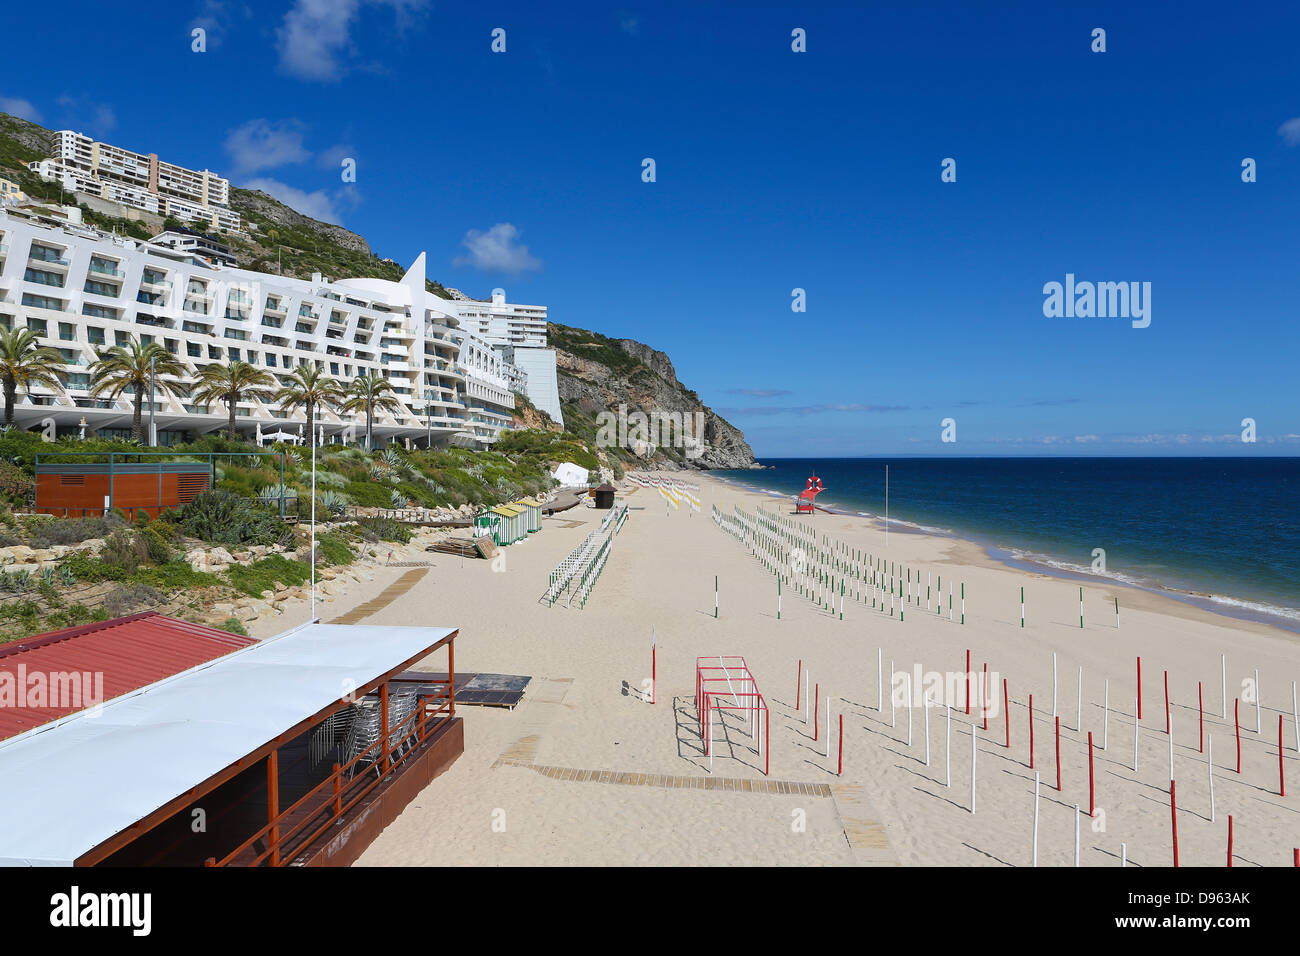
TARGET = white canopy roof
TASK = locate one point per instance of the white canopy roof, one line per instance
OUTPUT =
(72, 784)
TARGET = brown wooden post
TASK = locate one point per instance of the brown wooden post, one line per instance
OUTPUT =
(383, 708)
(451, 674)
(273, 802)
(338, 799)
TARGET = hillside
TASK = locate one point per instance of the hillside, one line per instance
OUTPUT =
(598, 374)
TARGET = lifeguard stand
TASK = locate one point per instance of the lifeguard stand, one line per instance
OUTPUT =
(806, 503)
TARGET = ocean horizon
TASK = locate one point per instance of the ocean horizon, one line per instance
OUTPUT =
(1222, 533)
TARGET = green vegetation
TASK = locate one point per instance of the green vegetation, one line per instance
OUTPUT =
(594, 347)
(222, 517)
(269, 573)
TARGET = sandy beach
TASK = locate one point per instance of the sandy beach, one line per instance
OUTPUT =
(587, 771)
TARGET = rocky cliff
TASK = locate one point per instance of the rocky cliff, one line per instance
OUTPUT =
(599, 374)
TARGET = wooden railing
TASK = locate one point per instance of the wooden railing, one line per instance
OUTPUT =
(283, 842)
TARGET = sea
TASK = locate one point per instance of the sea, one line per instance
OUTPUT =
(1221, 533)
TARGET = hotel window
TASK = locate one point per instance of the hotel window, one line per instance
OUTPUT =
(121, 338)
(234, 355)
(146, 340)
(38, 326)
(334, 368)
(98, 312)
(194, 350)
(41, 277)
(101, 288)
(42, 302)
(270, 358)
(66, 332)
(78, 380)
(214, 352)
(94, 335)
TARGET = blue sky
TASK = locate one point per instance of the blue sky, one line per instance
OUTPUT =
(778, 170)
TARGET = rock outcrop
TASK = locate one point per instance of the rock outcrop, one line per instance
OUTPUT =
(599, 374)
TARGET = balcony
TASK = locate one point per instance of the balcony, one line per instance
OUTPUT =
(48, 256)
(106, 269)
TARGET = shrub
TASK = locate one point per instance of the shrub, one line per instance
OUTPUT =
(155, 546)
(47, 532)
(333, 548)
(125, 551)
(264, 575)
(123, 599)
(176, 574)
(369, 495)
(220, 517)
(384, 529)
(234, 625)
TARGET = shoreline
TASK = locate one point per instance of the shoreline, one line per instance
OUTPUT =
(1224, 605)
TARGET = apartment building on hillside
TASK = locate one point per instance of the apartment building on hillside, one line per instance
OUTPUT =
(139, 180)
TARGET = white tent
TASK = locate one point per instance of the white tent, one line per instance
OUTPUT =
(571, 476)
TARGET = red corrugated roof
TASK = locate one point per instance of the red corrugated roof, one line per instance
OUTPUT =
(129, 653)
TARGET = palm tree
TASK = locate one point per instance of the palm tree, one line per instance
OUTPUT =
(370, 395)
(311, 388)
(233, 383)
(131, 366)
(24, 362)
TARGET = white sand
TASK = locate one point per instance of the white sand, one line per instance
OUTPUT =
(585, 711)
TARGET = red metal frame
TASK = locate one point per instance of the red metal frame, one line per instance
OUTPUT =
(734, 672)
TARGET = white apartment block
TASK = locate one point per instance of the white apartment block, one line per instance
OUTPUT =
(83, 290)
(504, 323)
(138, 180)
(519, 333)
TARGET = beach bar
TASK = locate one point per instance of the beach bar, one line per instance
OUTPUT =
(182, 723)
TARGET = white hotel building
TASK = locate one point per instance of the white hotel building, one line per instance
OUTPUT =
(519, 333)
(83, 290)
(138, 180)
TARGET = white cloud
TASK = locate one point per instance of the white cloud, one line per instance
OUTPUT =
(317, 205)
(16, 106)
(260, 144)
(1290, 132)
(316, 35)
(497, 250)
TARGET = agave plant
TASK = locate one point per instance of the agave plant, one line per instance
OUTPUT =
(67, 577)
(391, 458)
(22, 580)
(49, 575)
(398, 499)
(335, 502)
(273, 493)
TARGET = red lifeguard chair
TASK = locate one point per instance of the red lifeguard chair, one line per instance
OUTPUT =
(806, 503)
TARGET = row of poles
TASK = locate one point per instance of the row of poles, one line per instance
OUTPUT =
(829, 573)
